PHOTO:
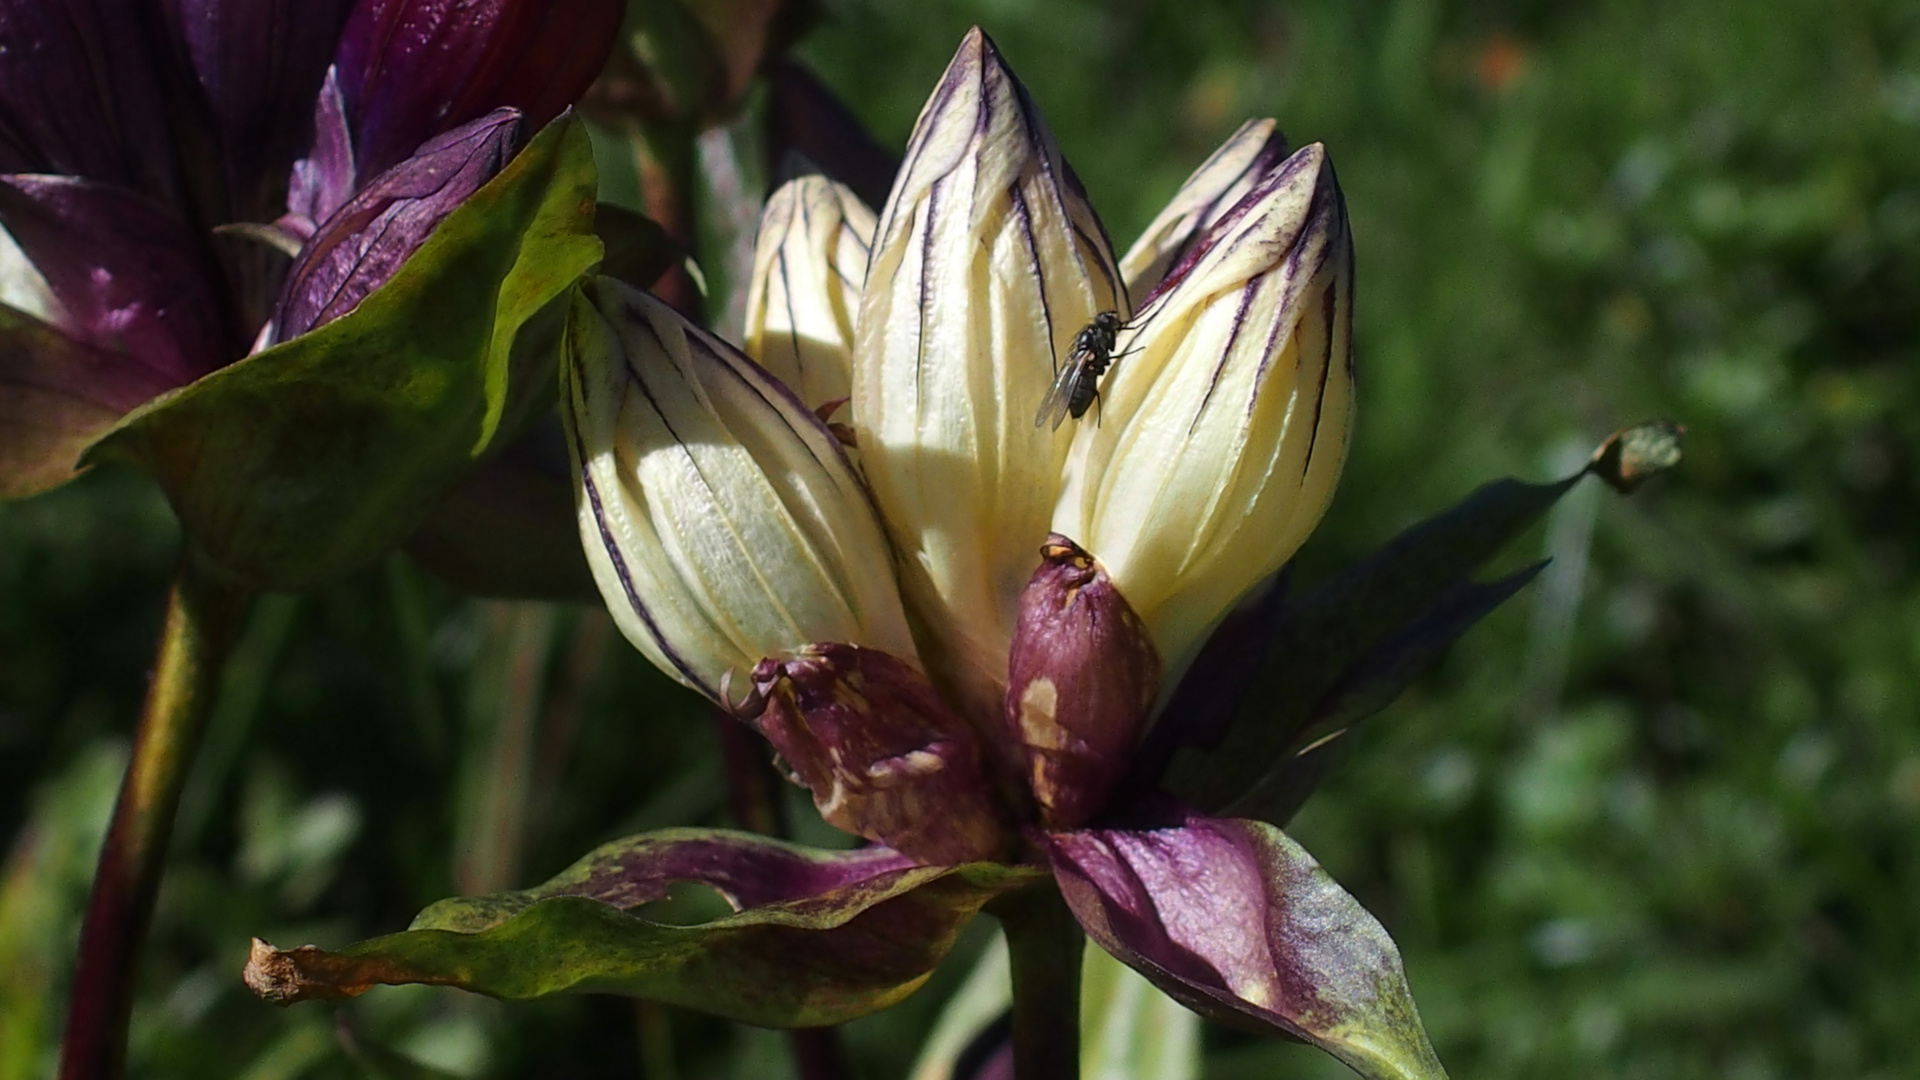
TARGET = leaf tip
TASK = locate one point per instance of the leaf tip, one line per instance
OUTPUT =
(1639, 453)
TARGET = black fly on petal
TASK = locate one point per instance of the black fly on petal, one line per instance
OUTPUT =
(1076, 386)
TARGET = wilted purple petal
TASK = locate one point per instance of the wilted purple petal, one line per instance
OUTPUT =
(80, 95)
(258, 63)
(322, 182)
(411, 68)
(1235, 920)
(123, 268)
(1080, 678)
(884, 756)
(57, 395)
(359, 248)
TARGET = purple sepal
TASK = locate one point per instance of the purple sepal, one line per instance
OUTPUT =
(322, 182)
(1235, 920)
(410, 68)
(359, 248)
(258, 63)
(123, 269)
(884, 756)
(1081, 675)
(79, 94)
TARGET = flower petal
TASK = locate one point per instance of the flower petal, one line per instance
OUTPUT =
(1237, 921)
(123, 268)
(721, 519)
(323, 181)
(1214, 188)
(884, 756)
(258, 63)
(987, 263)
(79, 94)
(360, 247)
(1228, 410)
(412, 68)
(808, 268)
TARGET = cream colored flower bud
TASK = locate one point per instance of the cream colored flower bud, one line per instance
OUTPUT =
(808, 267)
(1228, 412)
(987, 263)
(1214, 188)
(720, 517)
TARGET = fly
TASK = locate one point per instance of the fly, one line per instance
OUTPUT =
(1077, 384)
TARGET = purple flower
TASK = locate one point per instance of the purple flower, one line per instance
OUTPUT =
(161, 159)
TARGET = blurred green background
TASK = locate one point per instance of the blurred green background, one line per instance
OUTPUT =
(1658, 818)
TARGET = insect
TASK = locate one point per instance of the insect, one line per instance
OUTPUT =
(1077, 384)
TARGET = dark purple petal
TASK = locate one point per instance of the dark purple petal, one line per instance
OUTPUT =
(124, 269)
(1081, 676)
(359, 248)
(412, 68)
(1235, 920)
(57, 395)
(80, 93)
(884, 756)
(259, 63)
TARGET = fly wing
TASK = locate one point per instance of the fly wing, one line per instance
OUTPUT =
(1059, 399)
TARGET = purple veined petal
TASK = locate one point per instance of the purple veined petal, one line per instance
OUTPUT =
(258, 63)
(411, 68)
(57, 395)
(809, 127)
(81, 95)
(1235, 920)
(1206, 196)
(123, 269)
(359, 248)
(885, 757)
(987, 264)
(322, 182)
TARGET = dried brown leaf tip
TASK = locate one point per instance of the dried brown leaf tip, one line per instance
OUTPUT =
(309, 973)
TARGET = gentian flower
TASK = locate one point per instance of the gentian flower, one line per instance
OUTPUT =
(190, 181)
(1052, 579)
(955, 624)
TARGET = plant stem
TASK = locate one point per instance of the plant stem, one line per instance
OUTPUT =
(1045, 946)
(203, 618)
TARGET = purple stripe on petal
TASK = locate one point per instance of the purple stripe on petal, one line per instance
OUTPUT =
(1235, 920)
(124, 269)
(359, 248)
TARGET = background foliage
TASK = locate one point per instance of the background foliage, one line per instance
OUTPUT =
(1661, 818)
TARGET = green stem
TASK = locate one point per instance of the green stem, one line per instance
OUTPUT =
(1045, 946)
(203, 618)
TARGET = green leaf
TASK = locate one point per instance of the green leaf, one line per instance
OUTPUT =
(311, 458)
(817, 937)
(58, 395)
(1265, 711)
